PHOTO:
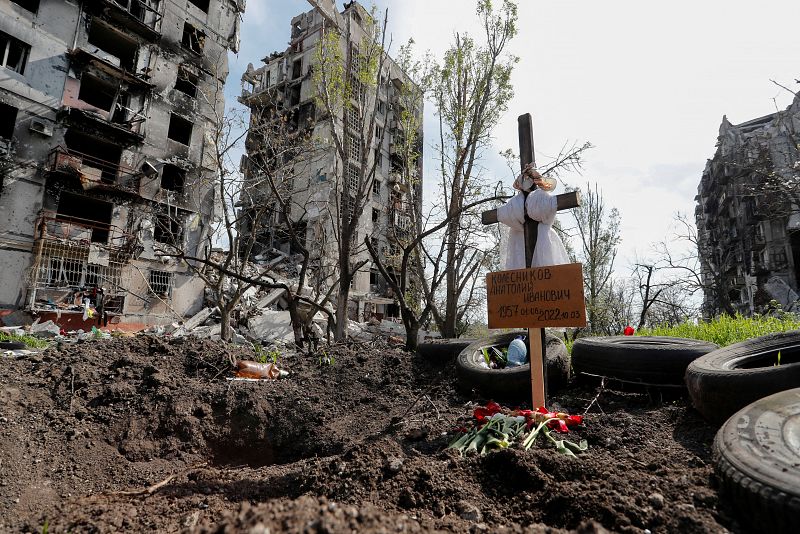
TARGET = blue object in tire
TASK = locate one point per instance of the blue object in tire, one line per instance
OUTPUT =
(517, 353)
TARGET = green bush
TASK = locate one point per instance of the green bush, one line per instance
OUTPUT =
(726, 330)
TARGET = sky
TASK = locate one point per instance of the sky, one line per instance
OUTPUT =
(647, 83)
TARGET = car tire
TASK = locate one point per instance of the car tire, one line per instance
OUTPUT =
(655, 361)
(728, 379)
(756, 457)
(512, 383)
(441, 352)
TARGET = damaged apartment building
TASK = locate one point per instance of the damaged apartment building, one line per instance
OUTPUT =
(748, 215)
(107, 119)
(285, 83)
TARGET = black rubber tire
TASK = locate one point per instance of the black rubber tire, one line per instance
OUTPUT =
(728, 379)
(756, 456)
(12, 345)
(511, 383)
(657, 361)
(441, 352)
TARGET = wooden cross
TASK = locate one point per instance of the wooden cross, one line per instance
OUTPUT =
(539, 297)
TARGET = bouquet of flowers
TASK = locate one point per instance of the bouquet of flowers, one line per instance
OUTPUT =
(494, 427)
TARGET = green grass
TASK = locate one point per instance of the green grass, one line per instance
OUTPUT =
(32, 342)
(727, 330)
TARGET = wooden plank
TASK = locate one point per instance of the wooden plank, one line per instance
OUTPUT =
(536, 298)
(525, 128)
(537, 367)
(526, 156)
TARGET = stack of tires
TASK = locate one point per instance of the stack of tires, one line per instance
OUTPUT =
(753, 390)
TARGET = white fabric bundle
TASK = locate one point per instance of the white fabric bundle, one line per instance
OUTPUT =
(541, 207)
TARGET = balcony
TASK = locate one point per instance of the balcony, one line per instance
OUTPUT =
(142, 17)
(92, 172)
(122, 127)
(87, 56)
(758, 241)
(73, 254)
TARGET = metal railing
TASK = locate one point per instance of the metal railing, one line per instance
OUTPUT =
(92, 170)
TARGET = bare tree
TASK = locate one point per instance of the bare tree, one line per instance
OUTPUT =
(471, 89)
(598, 236)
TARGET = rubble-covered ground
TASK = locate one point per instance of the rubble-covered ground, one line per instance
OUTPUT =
(145, 434)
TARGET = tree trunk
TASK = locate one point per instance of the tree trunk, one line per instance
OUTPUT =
(341, 311)
(297, 321)
(225, 322)
(411, 325)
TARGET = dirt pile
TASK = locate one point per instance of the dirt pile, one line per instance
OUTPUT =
(146, 434)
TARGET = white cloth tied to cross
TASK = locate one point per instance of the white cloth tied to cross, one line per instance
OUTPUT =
(541, 207)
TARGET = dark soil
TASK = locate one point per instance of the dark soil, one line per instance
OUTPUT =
(88, 431)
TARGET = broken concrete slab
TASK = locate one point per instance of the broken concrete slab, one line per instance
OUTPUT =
(198, 319)
(781, 291)
(271, 326)
(207, 332)
(270, 298)
(47, 329)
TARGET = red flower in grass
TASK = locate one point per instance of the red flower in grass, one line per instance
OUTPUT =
(628, 331)
(482, 413)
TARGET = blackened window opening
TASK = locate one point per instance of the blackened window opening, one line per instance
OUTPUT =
(30, 5)
(8, 119)
(95, 153)
(180, 129)
(168, 228)
(86, 211)
(96, 92)
(173, 178)
(186, 82)
(201, 4)
(193, 39)
(114, 43)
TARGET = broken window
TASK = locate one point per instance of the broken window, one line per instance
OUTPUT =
(30, 5)
(86, 212)
(180, 129)
(95, 154)
(378, 133)
(13, 53)
(376, 187)
(186, 82)
(378, 159)
(161, 283)
(375, 215)
(201, 4)
(96, 92)
(114, 46)
(173, 178)
(297, 69)
(168, 228)
(373, 273)
(193, 39)
(8, 119)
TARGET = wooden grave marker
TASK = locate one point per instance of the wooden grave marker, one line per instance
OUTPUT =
(536, 297)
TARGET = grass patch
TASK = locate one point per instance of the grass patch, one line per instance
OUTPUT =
(30, 341)
(726, 330)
